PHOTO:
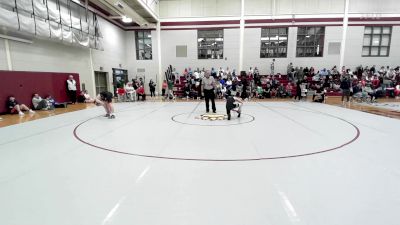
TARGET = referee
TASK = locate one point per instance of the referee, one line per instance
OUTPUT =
(207, 86)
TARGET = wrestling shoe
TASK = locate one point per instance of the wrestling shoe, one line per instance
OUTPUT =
(112, 116)
(107, 115)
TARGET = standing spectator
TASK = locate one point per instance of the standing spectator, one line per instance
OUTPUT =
(298, 90)
(14, 107)
(152, 87)
(164, 87)
(207, 86)
(71, 88)
(345, 86)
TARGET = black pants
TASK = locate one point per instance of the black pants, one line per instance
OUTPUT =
(346, 93)
(209, 95)
(163, 92)
(298, 95)
(72, 96)
(152, 93)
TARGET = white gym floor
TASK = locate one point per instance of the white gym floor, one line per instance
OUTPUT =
(280, 163)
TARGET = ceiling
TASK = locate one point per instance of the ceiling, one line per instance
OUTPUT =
(109, 12)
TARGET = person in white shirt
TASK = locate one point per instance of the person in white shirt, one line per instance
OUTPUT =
(39, 103)
(207, 86)
(71, 89)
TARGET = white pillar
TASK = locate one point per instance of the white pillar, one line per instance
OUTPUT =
(92, 77)
(8, 55)
(344, 34)
(241, 38)
(160, 71)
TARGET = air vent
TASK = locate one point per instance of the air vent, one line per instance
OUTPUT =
(119, 5)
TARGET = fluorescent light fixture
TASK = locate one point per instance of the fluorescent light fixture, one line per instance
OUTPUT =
(126, 19)
(307, 36)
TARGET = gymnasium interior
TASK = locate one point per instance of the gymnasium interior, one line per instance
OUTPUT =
(199, 112)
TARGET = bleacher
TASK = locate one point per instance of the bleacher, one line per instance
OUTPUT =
(283, 79)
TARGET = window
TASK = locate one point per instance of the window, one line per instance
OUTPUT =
(274, 42)
(143, 45)
(310, 41)
(210, 44)
(376, 41)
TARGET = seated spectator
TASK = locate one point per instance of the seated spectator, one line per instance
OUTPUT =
(140, 92)
(319, 95)
(289, 88)
(52, 103)
(397, 91)
(39, 103)
(85, 97)
(281, 92)
(14, 106)
(260, 92)
(130, 91)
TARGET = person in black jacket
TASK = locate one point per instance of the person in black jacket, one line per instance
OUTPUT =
(233, 104)
(345, 86)
(152, 87)
(13, 106)
(298, 90)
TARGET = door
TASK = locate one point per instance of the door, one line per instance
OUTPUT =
(120, 77)
(100, 81)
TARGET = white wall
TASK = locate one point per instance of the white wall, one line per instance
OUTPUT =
(114, 53)
(171, 38)
(199, 8)
(353, 52)
(266, 7)
(50, 56)
(3, 57)
(252, 58)
(150, 66)
(373, 6)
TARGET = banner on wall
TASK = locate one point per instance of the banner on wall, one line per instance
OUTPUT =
(40, 9)
(55, 31)
(26, 24)
(42, 27)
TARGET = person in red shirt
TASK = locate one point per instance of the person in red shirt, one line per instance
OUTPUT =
(140, 92)
(164, 87)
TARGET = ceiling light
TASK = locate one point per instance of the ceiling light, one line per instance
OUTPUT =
(126, 19)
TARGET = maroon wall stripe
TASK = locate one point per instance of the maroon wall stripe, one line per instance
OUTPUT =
(193, 23)
(201, 28)
(376, 19)
(297, 20)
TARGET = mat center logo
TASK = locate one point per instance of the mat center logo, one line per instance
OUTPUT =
(212, 117)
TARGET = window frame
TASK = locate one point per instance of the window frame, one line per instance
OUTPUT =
(143, 38)
(217, 51)
(316, 39)
(371, 35)
(264, 50)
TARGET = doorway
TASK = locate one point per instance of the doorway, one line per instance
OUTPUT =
(120, 77)
(100, 80)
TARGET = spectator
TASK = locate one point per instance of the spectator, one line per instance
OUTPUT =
(152, 87)
(164, 87)
(207, 87)
(14, 106)
(71, 89)
(39, 103)
(52, 103)
(345, 87)
(140, 93)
